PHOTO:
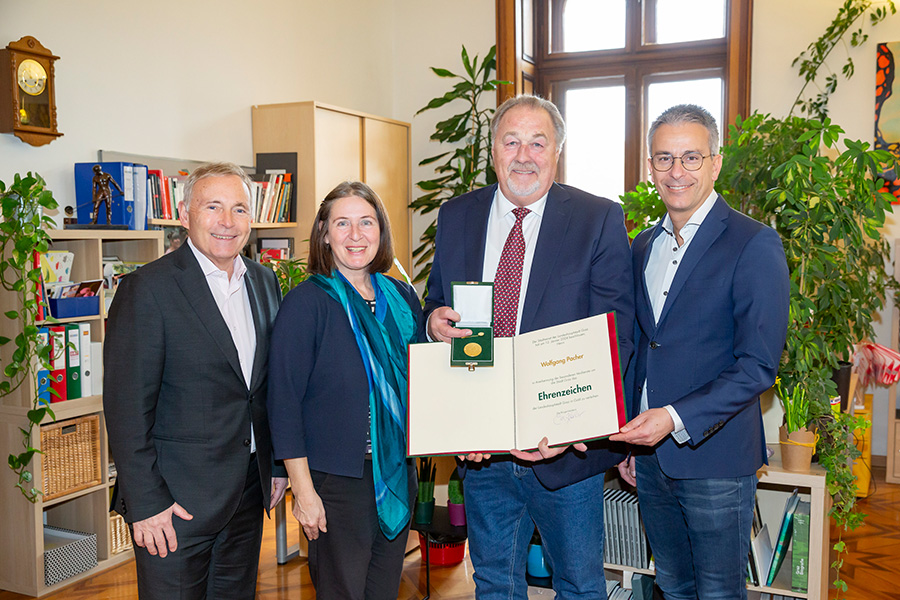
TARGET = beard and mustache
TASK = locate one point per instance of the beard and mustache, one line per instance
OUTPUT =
(523, 190)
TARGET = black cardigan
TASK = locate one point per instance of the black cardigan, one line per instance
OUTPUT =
(318, 399)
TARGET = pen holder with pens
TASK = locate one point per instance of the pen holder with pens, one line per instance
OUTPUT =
(474, 301)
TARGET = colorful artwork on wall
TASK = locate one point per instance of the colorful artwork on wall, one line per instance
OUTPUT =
(887, 112)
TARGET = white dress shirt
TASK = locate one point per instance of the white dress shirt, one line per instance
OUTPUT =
(500, 222)
(665, 257)
(234, 305)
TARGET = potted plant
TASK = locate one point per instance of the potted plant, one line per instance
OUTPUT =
(468, 165)
(425, 497)
(289, 271)
(456, 501)
(797, 441)
(22, 235)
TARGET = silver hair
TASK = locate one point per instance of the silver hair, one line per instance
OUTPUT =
(534, 103)
(214, 169)
(687, 113)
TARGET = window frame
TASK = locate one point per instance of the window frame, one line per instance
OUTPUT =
(544, 72)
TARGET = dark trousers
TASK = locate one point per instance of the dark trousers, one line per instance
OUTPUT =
(219, 566)
(354, 560)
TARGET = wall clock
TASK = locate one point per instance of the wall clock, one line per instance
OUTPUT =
(28, 92)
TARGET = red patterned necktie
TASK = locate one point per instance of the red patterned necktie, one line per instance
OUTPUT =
(508, 281)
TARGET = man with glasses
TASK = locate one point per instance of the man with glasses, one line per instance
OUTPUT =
(711, 290)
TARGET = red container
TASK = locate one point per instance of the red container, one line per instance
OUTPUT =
(443, 553)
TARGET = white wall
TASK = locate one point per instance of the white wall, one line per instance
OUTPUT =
(177, 79)
(431, 33)
(781, 30)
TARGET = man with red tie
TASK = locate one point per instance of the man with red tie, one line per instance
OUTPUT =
(555, 254)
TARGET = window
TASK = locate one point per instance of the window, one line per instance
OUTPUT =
(612, 66)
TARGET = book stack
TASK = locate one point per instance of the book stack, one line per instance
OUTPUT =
(766, 559)
(625, 541)
(68, 373)
(271, 195)
(164, 193)
(642, 589)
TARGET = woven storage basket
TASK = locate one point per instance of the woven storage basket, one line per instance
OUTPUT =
(119, 534)
(71, 459)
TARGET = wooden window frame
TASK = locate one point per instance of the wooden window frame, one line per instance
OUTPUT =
(539, 71)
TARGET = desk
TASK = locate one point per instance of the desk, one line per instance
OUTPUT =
(439, 526)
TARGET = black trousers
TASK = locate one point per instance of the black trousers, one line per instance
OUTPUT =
(354, 560)
(222, 566)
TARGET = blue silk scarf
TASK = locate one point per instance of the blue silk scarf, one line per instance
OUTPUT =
(382, 338)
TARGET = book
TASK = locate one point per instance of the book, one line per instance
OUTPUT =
(56, 266)
(784, 536)
(58, 363)
(157, 185)
(563, 383)
(286, 164)
(761, 551)
(84, 337)
(141, 197)
(97, 368)
(43, 373)
(800, 549)
(73, 361)
(642, 586)
(40, 296)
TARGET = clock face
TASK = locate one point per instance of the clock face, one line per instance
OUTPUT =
(32, 77)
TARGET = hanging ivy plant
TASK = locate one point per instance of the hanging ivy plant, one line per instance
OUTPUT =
(23, 232)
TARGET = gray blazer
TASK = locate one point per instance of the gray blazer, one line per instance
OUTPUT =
(178, 410)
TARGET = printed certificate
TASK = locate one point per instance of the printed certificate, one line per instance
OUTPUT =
(562, 382)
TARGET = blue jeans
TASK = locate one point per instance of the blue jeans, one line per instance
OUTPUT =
(504, 501)
(699, 531)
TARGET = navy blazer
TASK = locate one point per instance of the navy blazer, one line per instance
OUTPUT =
(717, 344)
(178, 409)
(580, 269)
(318, 401)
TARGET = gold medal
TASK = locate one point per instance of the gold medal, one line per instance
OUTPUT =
(472, 349)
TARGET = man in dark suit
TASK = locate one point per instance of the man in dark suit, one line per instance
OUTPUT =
(555, 254)
(711, 293)
(185, 365)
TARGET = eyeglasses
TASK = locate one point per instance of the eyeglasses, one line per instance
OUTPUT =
(691, 161)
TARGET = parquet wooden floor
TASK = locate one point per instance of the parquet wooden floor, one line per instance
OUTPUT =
(872, 571)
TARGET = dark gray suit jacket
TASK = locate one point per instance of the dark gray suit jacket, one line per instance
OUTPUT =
(178, 410)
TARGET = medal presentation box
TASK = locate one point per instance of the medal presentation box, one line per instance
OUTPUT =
(474, 301)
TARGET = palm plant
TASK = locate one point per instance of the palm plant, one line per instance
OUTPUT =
(467, 166)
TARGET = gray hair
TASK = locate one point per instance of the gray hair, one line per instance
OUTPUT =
(534, 103)
(214, 169)
(681, 114)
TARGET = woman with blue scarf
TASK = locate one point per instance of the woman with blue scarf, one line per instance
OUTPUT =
(337, 399)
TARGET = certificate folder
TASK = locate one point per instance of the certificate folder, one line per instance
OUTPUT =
(562, 382)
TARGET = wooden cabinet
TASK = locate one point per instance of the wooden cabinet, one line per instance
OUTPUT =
(333, 145)
(87, 510)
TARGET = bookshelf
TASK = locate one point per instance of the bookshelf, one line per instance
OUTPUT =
(332, 145)
(87, 510)
(775, 485)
